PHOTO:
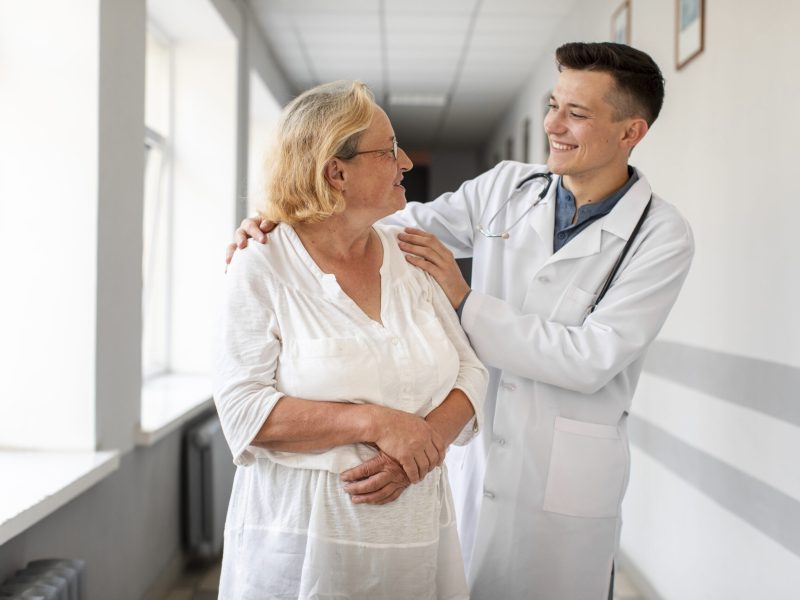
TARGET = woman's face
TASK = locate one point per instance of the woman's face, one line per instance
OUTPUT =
(373, 178)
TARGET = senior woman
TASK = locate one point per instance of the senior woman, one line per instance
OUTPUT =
(340, 360)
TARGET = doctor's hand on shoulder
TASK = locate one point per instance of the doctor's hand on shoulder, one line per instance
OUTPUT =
(424, 250)
(255, 227)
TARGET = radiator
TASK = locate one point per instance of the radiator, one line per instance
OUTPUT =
(49, 579)
(208, 477)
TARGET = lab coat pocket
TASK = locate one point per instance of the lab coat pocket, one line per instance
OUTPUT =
(341, 369)
(574, 306)
(588, 470)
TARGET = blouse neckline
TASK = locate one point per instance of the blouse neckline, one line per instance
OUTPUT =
(330, 285)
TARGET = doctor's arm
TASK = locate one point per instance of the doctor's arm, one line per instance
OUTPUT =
(584, 358)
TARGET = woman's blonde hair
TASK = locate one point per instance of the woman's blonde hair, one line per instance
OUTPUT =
(322, 123)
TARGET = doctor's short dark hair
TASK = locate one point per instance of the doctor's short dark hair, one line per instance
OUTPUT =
(639, 83)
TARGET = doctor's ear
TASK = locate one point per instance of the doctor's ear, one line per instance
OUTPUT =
(334, 173)
(635, 130)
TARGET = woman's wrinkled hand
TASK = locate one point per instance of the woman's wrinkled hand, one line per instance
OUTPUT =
(256, 228)
(411, 441)
(379, 480)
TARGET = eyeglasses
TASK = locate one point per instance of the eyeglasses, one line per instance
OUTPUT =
(393, 150)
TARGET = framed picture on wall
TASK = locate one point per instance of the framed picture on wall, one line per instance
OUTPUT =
(689, 30)
(621, 24)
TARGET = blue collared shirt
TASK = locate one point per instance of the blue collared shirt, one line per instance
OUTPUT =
(587, 214)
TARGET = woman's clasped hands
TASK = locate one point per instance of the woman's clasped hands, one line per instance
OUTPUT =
(409, 448)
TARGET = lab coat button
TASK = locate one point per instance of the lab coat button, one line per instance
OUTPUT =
(501, 442)
(488, 494)
(508, 386)
(544, 279)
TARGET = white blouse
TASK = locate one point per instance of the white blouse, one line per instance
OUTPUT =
(289, 329)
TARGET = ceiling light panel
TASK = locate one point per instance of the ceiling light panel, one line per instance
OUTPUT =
(316, 7)
(527, 10)
(443, 7)
(418, 99)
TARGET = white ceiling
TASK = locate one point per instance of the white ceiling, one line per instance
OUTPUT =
(476, 52)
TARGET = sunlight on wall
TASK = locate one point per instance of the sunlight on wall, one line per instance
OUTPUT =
(264, 113)
(48, 220)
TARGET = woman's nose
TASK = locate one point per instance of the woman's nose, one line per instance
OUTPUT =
(403, 160)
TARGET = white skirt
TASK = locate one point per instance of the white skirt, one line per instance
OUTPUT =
(295, 534)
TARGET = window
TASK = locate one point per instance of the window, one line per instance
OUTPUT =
(157, 222)
(190, 146)
(49, 149)
(264, 113)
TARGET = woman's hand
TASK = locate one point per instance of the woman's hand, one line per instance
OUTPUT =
(380, 480)
(410, 440)
(252, 227)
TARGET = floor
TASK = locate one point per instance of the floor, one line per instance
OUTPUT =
(202, 584)
(197, 583)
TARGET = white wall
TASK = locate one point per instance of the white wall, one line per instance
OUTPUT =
(48, 174)
(713, 507)
(265, 87)
(119, 222)
(262, 62)
(728, 128)
(264, 111)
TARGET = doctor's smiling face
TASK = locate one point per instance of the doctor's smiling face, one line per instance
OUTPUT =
(589, 139)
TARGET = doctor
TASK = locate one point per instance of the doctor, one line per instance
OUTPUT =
(538, 495)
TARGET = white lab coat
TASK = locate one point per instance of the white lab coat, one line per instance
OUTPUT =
(538, 495)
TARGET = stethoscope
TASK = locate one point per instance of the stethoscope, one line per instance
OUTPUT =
(487, 231)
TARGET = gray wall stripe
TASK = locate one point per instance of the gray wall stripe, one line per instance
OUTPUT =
(763, 386)
(774, 513)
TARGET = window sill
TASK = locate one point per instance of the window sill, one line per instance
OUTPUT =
(36, 484)
(170, 401)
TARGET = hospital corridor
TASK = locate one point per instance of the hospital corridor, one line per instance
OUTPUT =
(597, 324)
